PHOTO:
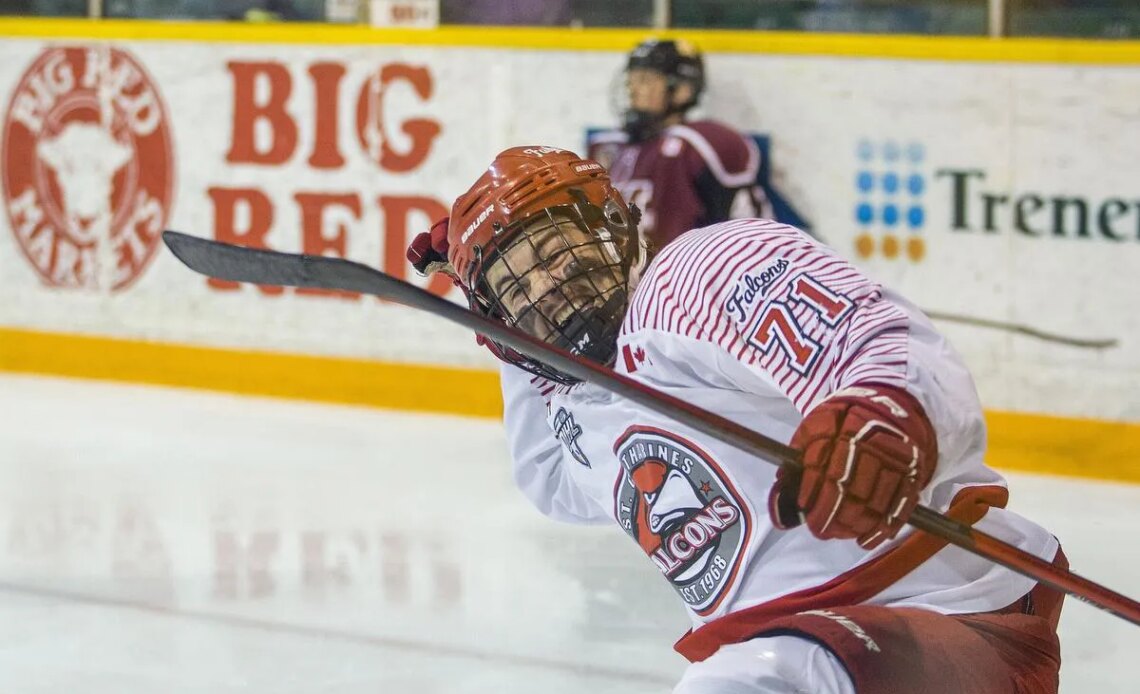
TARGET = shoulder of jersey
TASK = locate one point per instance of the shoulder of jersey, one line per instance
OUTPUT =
(731, 157)
(607, 137)
(736, 235)
(690, 273)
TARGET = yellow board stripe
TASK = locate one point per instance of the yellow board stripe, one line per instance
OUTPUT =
(352, 381)
(1024, 442)
(951, 48)
(1061, 446)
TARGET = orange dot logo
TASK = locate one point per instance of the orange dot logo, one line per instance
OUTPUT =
(890, 247)
(88, 167)
(915, 248)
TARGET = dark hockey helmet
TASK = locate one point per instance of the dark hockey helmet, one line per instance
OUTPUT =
(544, 242)
(680, 63)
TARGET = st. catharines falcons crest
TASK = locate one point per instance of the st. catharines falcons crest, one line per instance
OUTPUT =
(88, 167)
(674, 501)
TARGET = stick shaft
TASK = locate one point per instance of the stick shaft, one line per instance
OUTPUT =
(235, 263)
(1090, 343)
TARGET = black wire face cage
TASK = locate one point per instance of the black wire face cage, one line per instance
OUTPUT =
(562, 276)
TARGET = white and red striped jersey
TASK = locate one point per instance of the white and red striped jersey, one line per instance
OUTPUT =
(757, 322)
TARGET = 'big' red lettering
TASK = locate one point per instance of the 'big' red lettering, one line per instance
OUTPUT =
(269, 111)
(271, 122)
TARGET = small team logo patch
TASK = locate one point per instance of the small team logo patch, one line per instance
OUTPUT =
(568, 431)
(88, 169)
(675, 502)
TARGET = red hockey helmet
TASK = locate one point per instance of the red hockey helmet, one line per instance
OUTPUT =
(544, 242)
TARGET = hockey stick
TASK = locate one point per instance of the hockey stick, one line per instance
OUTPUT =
(1089, 343)
(1016, 328)
(236, 263)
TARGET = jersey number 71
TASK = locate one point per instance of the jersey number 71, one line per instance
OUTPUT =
(778, 326)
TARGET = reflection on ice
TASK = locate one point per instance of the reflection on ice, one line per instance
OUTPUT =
(168, 540)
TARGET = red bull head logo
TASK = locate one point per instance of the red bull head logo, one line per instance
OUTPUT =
(88, 167)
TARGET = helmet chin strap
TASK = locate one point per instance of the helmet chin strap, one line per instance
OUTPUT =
(593, 334)
(633, 274)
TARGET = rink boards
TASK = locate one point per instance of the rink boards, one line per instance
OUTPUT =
(994, 180)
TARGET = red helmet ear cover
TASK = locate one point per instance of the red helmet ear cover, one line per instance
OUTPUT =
(521, 182)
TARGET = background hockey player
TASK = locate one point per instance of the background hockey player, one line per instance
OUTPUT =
(794, 582)
(681, 174)
(686, 174)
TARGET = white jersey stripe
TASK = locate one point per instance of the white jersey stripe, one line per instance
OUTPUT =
(712, 159)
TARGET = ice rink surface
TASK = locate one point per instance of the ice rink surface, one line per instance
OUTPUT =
(156, 540)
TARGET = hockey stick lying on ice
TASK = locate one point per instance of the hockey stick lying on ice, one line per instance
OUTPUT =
(1086, 342)
(239, 264)
(1016, 328)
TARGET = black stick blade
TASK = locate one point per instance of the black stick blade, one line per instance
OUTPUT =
(239, 264)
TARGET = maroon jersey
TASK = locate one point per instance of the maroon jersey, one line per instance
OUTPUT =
(691, 175)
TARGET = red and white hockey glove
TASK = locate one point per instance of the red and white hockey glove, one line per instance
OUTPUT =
(428, 251)
(867, 453)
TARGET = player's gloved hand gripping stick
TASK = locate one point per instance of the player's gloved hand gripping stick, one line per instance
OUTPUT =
(235, 263)
(866, 455)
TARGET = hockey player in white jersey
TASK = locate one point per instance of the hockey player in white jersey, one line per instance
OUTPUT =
(794, 583)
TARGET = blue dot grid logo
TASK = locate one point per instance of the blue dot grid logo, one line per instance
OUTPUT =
(890, 185)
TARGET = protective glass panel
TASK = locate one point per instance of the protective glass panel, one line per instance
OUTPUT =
(960, 17)
(590, 13)
(252, 10)
(1113, 19)
(44, 8)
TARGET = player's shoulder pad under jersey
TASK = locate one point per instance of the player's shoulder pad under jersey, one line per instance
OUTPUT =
(732, 158)
(713, 283)
(606, 137)
(603, 145)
